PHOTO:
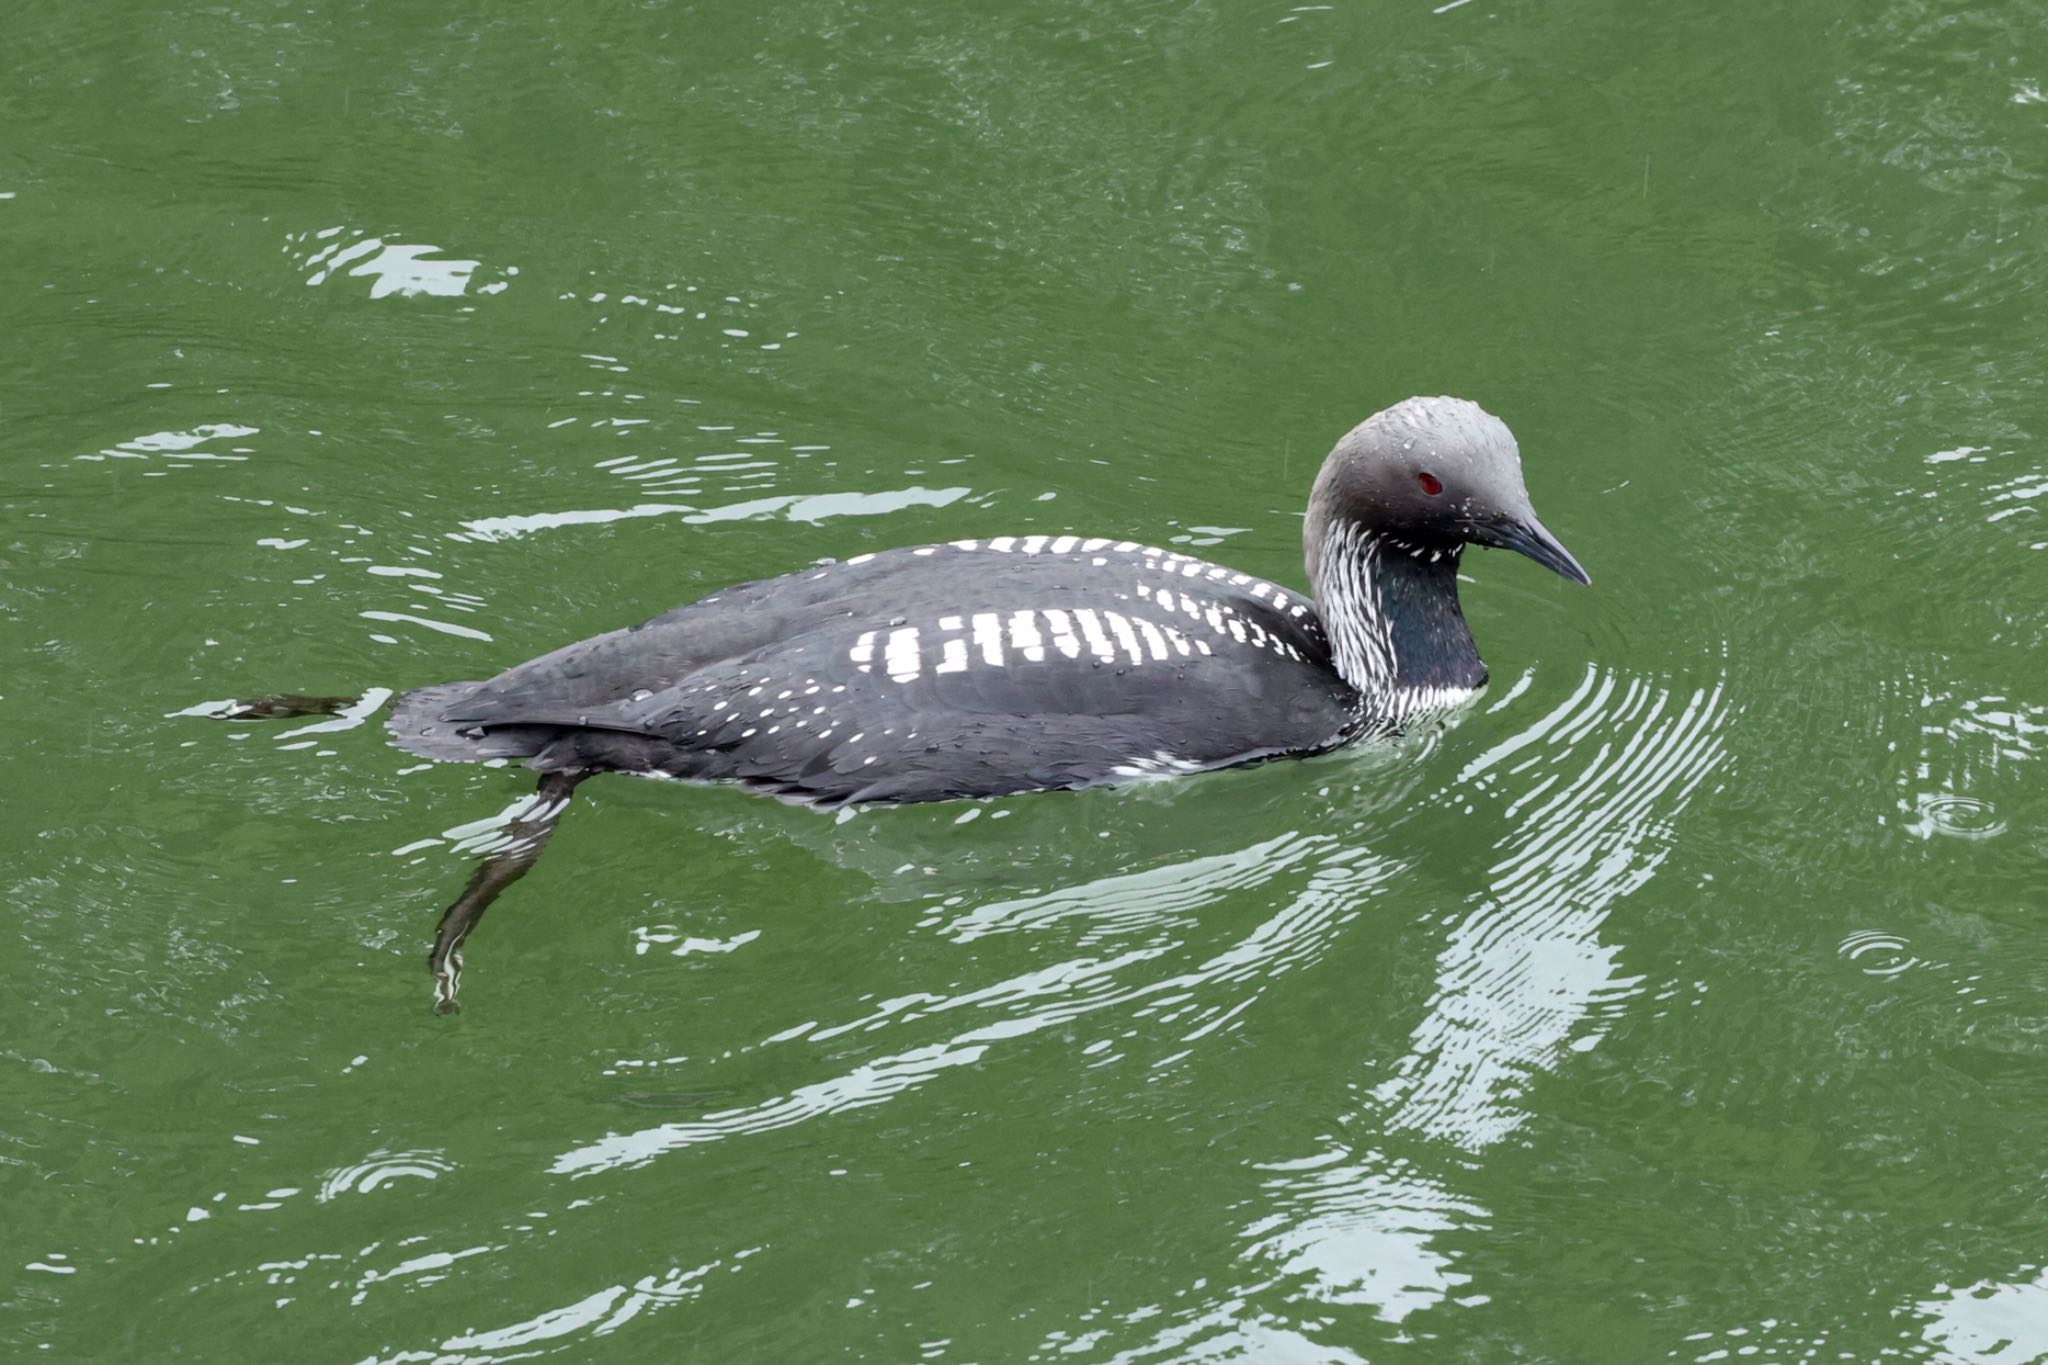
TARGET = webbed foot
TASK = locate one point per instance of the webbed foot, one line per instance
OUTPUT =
(285, 704)
(526, 836)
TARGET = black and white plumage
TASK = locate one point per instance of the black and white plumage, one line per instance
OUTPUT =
(975, 668)
(987, 667)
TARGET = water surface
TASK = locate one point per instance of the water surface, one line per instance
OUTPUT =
(1684, 1001)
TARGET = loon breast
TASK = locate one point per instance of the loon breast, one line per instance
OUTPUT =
(974, 668)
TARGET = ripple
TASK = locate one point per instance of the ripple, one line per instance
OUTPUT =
(1364, 1233)
(1524, 977)
(1967, 745)
(1591, 787)
(1958, 817)
(1876, 953)
(813, 508)
(1589, 791)
(1777, 1339)
(595, 1315)
(1194, 1002)
(2000, 485)
(680, 309)
(380, 1168)
(495, 833)
(1120, 905)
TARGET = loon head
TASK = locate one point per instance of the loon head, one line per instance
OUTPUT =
(1434, 474)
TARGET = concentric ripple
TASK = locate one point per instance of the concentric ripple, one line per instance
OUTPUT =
(1876, 953)
(381, 1168)
(1957, 817)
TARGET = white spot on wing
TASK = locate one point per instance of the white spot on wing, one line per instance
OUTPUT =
(1063, 637)
(901, 655)
(988, 636)
(863, 651)
(1091, 630)
(1024, 635)
(1154, 640)
(1125, 636)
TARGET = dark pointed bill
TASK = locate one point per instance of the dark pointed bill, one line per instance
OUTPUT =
(1528, 536)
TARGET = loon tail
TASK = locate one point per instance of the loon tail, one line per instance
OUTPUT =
(420, 724)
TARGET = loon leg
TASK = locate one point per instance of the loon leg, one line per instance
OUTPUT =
(286, 704)
(526, 837)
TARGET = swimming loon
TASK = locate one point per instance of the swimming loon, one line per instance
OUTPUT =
(985, 667)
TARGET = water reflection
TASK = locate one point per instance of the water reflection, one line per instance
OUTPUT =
(1590, 788)
(1589, 791)
(595, 1315)
(816, 507)
(394, 269)
(1119, 906)
(1196, 1002)
(1363, 1233)
(1988, 1320)
(181, 449)
(1149, 958)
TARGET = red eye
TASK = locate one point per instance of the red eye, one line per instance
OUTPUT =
(1430, 484)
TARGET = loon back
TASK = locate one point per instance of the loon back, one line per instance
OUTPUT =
(974, 668)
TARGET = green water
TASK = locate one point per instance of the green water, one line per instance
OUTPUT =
(1686, 1001)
